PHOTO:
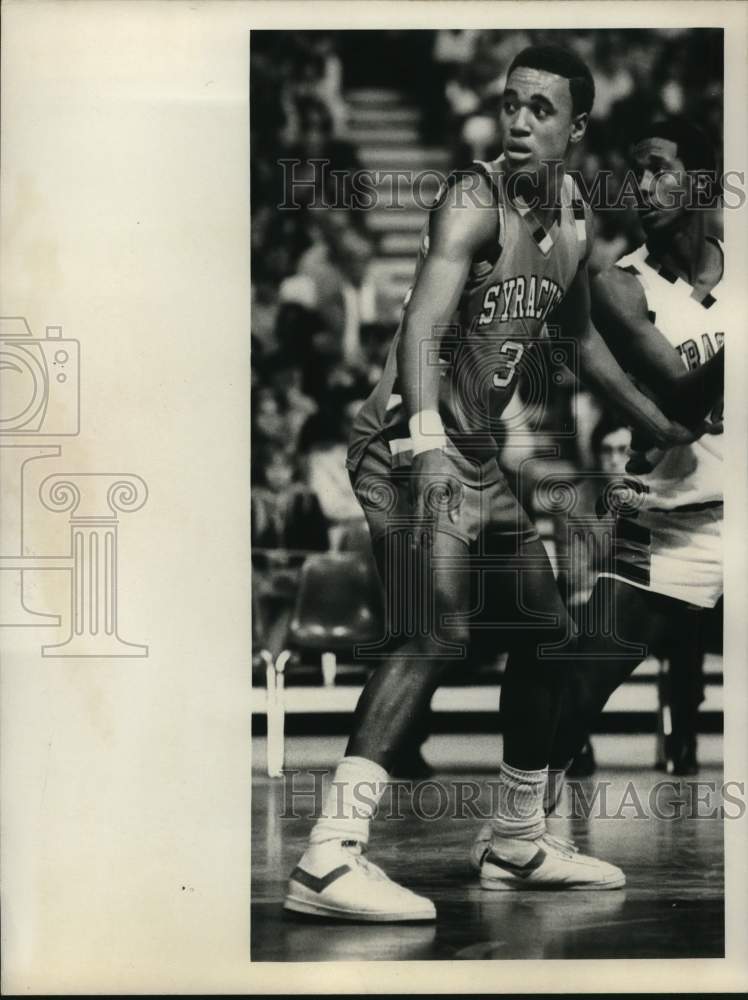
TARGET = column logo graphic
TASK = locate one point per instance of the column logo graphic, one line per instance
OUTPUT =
(39, 402)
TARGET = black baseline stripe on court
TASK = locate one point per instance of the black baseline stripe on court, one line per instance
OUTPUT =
(358, 675)
(339, 723)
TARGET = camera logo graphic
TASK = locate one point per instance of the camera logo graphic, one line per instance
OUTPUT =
(39, 381)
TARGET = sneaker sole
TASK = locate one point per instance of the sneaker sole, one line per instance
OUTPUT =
(499, 885)
(366, 916)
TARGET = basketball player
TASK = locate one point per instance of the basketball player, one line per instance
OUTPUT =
(667, 558)
(491, 271)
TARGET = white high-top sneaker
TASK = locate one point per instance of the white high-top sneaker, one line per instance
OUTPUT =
(549, 862)
(335, 879)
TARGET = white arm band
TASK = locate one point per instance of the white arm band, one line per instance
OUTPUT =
(426, 431)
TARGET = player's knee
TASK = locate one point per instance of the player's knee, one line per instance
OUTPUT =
(449, 617)
(445, 640)
(422, 669)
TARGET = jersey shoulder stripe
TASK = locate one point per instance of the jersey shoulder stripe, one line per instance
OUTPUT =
(642, 264)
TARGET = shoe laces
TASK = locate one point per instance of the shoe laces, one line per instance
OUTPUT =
(560, 844)
(358, 851)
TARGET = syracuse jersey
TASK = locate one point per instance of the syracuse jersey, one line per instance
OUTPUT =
(508, 295)
(687, 476)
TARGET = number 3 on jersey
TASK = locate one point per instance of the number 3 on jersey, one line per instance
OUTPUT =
(505, 374)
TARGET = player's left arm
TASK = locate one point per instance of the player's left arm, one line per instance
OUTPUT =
(599, 369)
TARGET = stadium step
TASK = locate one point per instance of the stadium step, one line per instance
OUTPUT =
(394, 275)
(394, 244)
(382, 134)
(371, 96)
(389, 219)
(394, 272)
(397, 267)
(364, 115)
(385, 129)
(410, 157)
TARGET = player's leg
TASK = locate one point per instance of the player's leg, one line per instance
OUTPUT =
(333, 878)
(673, 552)
(410, 764)
(641, 622)
(514, 850)
(685, 658)
(535, 673)
(398, 693)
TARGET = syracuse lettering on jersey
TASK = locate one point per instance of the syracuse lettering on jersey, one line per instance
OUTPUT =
(519, 298)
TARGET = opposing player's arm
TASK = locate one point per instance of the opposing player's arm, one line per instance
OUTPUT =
(620, 313)
(459, 226)
(602, 373)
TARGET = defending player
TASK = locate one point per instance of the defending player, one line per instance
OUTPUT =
(491, 271)
(661, 310)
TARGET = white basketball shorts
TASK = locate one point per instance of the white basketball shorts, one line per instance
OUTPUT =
(677, 553)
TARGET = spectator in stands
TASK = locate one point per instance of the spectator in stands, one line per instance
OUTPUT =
(333, 281)
(286, 523)
(325, 442)
(321, 76)
(494, 53)
(613, 79)
(462, 99)
(269, 422)
(611, 449)
(321, 178)
(643, 102)
(375, 339)
(286, 378)
(285, 512)
(277, 240)
(264, 312)
(454, 48)
(452, 55)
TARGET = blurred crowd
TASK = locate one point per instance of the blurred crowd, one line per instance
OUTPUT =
(320, 332)
(318, 339)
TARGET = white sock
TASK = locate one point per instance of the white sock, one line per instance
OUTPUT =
(353, 797)
(554, 788)
(519, 812)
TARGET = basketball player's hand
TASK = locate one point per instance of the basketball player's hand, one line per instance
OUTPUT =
(675, 434)
(432, 485)
(714, 426)
(648, 452)
(687, 435)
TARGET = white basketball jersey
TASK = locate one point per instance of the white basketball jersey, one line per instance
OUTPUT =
(689, 475)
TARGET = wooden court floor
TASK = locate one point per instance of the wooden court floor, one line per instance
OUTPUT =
(671, 907)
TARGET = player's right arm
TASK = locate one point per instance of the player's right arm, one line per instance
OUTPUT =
(620, 312)
(460, 225)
